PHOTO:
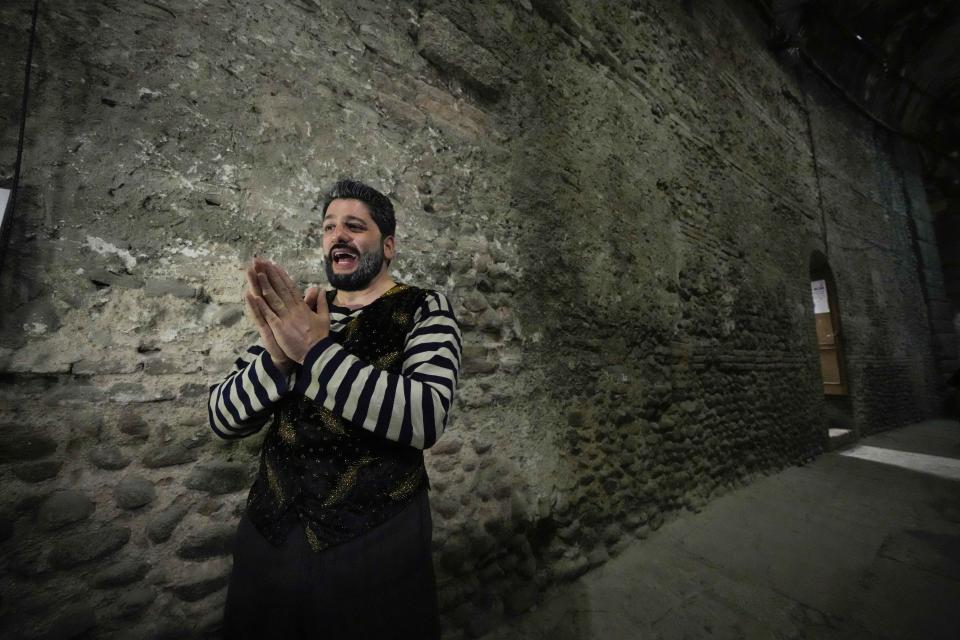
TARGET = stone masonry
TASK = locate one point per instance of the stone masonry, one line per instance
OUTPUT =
(621, 199)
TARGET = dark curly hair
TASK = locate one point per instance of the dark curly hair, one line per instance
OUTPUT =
(381, 209)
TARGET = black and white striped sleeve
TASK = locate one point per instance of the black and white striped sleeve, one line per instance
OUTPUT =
(411, 407)
(241, 404)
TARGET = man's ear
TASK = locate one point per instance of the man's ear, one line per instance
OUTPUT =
(390, 248)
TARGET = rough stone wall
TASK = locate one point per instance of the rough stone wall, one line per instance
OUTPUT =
(869, 232)
(935, 238)
(620, 201)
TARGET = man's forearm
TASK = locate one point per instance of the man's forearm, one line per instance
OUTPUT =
(409, 408)
(406, 409)
(242, 403)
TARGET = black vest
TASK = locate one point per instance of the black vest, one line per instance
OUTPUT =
(336, 478)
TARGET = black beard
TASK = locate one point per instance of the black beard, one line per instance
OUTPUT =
(368, 266)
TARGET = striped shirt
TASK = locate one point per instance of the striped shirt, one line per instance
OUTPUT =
(409, 408)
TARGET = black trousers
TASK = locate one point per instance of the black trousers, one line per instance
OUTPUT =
(380, 585)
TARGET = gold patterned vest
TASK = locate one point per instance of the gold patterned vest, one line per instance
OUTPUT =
(336, 478)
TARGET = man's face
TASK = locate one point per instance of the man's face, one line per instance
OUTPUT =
(354, 251)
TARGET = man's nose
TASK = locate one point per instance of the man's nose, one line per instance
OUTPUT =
(340, 232)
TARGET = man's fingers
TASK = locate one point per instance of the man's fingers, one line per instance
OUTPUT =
(269, 294)
(287, 280)
(267, 313)
(277, 284)
(252, 282)
(254, 309)
(259, 265)
(279, 280)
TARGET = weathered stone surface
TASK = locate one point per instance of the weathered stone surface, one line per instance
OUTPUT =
(571, 568)
(193, 390)
(444, 463)
(527, 568)
(39, 602)
(27, 563)
(40, 316)
(37, 471)
(211, 624)
(133, 492)
(74, 394)
(444, 44)
(62, 508)
(455, 552)
(82, 423)
(597, 556)
(475, 301)
(161, 525)
(169, 456)
(446, 445)
(198, 439)
(76, 549)
(171, 627)
(446, 506)
(214, 540)
(21, 443)
(103, 365)
(205, 579)
(175, 288)
(490, 322)
(108, 456)
(475, 360)
(254, 443)
(7, 519)
(487, 612)
(103, 277)
(30, 502)
(42, 357)
(223, 315)
(158, 365)
(133, 601)
(612, 533)
(71, 622)
(133, 424)
(120, 573)
(570, 532)
(481, 448)
(135, 393)
(218, 477)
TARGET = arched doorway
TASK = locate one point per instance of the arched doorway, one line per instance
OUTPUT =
(833, 373)
(826, 310)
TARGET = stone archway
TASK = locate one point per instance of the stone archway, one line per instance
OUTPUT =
(830, 343)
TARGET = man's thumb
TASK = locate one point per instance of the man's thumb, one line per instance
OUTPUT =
(313, 293)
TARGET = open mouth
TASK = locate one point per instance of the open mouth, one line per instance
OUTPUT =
(344, 258)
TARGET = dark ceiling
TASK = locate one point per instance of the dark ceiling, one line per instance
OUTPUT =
(898, 60)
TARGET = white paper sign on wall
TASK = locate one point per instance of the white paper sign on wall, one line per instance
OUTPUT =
(820, 304)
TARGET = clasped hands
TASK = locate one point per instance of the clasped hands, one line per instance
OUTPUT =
(289, 325)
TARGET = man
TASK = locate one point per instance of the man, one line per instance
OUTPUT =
(354, 383)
